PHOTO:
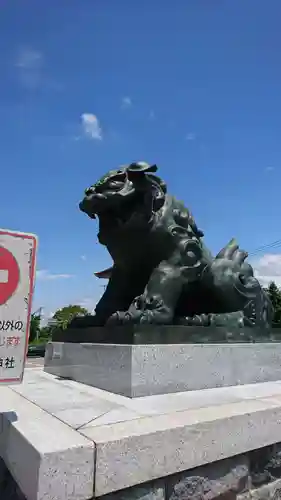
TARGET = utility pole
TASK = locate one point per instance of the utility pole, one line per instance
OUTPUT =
(38, 313)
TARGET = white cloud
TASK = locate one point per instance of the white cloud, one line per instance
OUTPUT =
(126, 102)
(268, 268)
(190, 136)
(91, 126)
(45, 275)
(29, 59)
(83, 257)
(29, 63)
(90, 302)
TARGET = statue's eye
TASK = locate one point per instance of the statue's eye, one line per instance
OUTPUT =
(121, 176)
(115, 184)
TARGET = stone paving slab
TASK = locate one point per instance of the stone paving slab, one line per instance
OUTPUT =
(60, 396)
(52, 424)
(47, 458)
(152, 447)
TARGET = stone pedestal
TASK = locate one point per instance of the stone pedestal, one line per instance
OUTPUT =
(157, 334)
(150, 369)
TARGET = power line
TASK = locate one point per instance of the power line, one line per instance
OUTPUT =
(269, 246)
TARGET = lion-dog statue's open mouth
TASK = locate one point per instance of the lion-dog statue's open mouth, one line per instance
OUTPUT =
(123, 193)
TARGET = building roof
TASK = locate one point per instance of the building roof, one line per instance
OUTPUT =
(104, 274)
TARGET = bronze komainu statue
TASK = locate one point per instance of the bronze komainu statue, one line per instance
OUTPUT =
(162, 272)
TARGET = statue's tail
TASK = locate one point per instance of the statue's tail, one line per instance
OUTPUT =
(232, 251)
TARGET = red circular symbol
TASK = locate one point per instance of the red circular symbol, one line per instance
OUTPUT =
(9, 275)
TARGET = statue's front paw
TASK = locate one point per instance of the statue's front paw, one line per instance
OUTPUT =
(118, 318)
(133, 317)
(197, 320)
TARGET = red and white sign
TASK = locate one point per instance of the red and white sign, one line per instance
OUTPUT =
(17, 273)
(9, 275)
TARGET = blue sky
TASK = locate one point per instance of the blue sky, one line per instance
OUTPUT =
(193, 85)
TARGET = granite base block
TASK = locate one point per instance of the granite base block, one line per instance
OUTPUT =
(218, 444)
(242, 477)
(164, 334)
(145, 370)
(155, 490)
(47, 458)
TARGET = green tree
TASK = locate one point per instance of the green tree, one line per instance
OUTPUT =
(65, 315)
(45, 333)
(275, 296)
(34, 329)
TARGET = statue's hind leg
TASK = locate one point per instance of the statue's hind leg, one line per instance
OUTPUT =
(243, 301)
(256, 313)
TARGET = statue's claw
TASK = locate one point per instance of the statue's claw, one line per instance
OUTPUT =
(122, 318)
(130, 317)
(115, 319)
(197, 320)
(147, 317)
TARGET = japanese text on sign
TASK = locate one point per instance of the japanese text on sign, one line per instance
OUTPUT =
(17, 271)
(7, 325)
(9, 341)
(7, 362)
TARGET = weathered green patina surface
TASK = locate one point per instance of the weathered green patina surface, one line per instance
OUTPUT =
(162, 272)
